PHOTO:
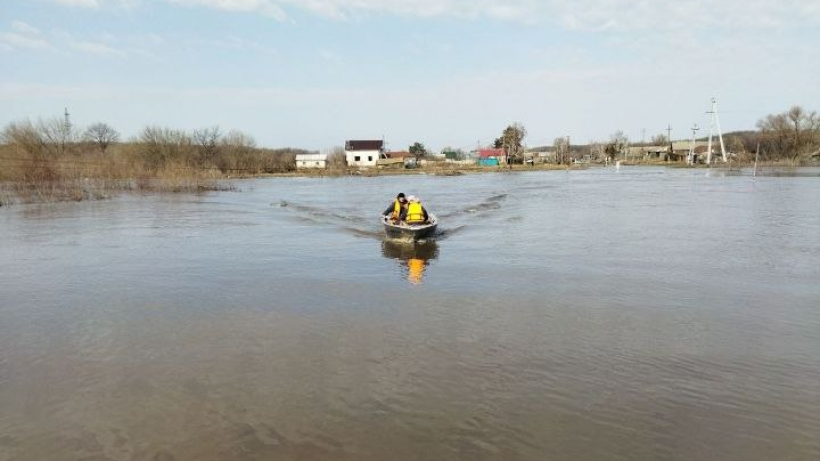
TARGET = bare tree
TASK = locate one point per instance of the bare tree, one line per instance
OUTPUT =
(23, 135)
(618, 145)
(160, 145)
(238, 151)
(659, 139)
(597, 150)
(41, 143)
(55, 135)
(336, 158)
(102, 135)
(735, 144)
(561, 146)
(240, 139)
(207, 142)
(46, 137)
(790, 134)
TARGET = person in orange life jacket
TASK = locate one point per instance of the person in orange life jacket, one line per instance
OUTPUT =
(415, 213)
(397, 208)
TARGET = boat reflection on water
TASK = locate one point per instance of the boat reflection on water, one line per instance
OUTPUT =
(412, 256)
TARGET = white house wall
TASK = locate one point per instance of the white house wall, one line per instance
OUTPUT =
(320, 164)
(367, 158)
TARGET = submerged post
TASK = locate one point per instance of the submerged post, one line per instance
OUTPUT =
(757, 153)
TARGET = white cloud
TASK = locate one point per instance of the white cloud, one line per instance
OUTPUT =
(24, 28)
(23, 36)
(96, 48)
(95, 4)
(266, 7)
(78, 3)
(588, 15)
(11, 41)
(584, 15)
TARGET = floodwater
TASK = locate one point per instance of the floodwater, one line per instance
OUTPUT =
(649, 314)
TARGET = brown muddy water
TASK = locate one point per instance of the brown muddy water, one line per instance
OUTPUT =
(649, 314)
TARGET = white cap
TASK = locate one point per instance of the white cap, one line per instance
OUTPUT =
(412, 198)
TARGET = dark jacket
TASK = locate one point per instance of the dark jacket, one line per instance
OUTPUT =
(389, 210)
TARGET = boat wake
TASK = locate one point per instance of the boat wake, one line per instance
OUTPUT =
(447, 233)
(487, 205)
(342, 221)
(339, 220)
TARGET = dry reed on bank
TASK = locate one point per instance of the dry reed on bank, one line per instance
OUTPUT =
(40, 164)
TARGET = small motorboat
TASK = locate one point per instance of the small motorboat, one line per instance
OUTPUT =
(414, 232)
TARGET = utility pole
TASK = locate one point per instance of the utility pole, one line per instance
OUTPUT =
(690, 159)
(669, 138)
(66, 129)
(715, 123)
(67, 125)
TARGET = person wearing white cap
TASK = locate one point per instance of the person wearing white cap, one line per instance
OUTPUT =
(415, 214)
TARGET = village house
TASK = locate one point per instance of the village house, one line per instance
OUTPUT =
(492, 157)
(311, 161)
(646, 152)
(681, 150)
(678, 153)
(364, 153)
(540, 156)
(544, 154)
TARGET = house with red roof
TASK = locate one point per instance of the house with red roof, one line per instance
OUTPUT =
(492, 157)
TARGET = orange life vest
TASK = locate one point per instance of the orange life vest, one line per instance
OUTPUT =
(415, 213)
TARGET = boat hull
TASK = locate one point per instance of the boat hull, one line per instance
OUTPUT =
(408, 232)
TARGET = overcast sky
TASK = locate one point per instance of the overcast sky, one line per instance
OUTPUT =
(312, 73)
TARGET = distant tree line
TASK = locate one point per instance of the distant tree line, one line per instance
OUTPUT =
(791, 135)
(45, 147)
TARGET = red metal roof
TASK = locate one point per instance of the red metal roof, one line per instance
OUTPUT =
(487, 153)
(401, 154)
